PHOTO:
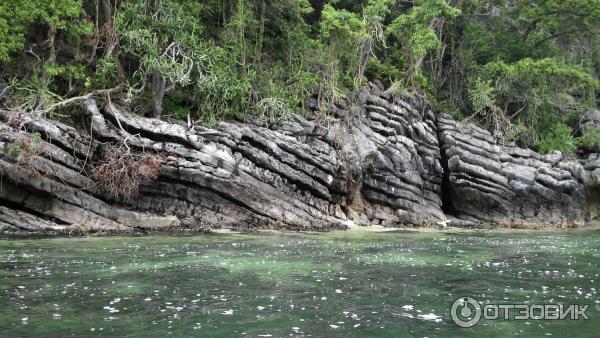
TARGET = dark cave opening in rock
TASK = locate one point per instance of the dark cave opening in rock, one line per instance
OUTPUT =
(447, 199)
(592, 205)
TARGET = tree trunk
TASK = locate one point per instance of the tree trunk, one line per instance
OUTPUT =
(51, 42)
(111, 36)
(367, 46)
(416, 65)
(158, 93)
(107, 12)
(112, 41)
(51, 59)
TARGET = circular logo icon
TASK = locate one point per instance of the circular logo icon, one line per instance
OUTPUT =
(465, 312)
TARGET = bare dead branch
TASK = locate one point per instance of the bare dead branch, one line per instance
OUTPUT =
(77, 99)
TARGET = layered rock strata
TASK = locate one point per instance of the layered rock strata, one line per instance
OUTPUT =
(384, 159)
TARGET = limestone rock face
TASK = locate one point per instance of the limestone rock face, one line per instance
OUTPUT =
(590, 119)
(395, 141)
(592, 189)
(385, 159)
(502, 184)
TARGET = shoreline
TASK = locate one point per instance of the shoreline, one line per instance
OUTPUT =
(352, 228)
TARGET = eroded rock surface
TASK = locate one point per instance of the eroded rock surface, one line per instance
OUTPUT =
(384, 160)
(490, 181)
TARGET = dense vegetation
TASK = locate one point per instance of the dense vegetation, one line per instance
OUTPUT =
(524, 69)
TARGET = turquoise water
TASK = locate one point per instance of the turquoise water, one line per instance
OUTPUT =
(343, 284)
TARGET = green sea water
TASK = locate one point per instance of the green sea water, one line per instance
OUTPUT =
(341, 284)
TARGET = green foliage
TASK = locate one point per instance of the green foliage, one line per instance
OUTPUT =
(17, 17)
(556, 19)
(374, 15)
(24, 147)
(33, 94)
(221, 92)
(14, 150)
(176, 108)
(388, 72)
(272, 110)
(541, 93)
(557, 138)
(415, 28)
(343, 32)
(165, 39)
(482, 96)
(589, 140)
(519, 68)
(340, 25)
(540, 60)
(105, 75)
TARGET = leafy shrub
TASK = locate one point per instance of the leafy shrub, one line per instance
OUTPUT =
(539, 94)
(34, 94)
(558, 138)
(272, 110)
(176, 108)
(589, 140)
(482, 95)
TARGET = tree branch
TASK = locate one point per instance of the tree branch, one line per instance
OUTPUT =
(553, 36)
(76, 99)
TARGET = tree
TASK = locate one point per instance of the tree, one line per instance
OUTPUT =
(29, 30)
(537, 94)
(165, 38)
(414, 31)
(523, 69)
(343, 32)
(17, 17)
(373, 17)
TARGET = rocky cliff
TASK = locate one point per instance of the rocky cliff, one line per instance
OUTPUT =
(384, 159)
